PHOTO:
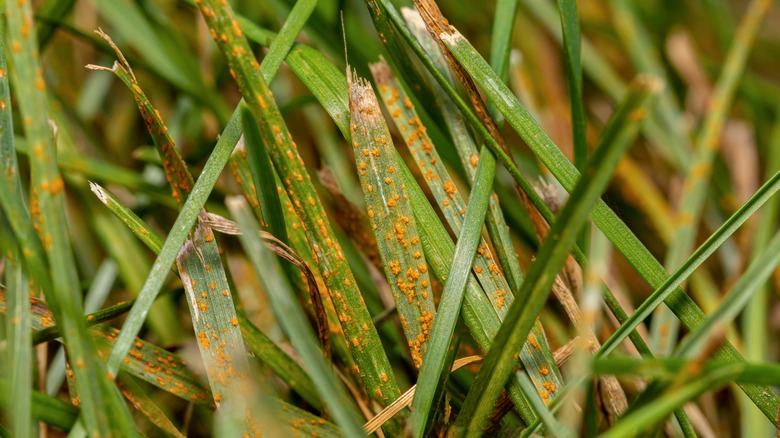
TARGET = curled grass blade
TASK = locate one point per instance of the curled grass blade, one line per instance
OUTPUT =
(499, 361)
(294, 322)
(104, 410)
(365, 345)
(614, 228)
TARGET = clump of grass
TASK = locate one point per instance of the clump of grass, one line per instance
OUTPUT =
(265, 273)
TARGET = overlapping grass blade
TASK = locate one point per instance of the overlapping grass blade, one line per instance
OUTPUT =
(499, 361)
(713, 379)
(295, 324)
(618, 233)
(104, 410)
(668, 288)
(354, 317)
(743, 290)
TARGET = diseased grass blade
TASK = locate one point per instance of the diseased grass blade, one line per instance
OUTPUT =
(146, 361)
(104, 410)
(17, 337)
(439, 249)
(445, 192)
(141, 401)
(214, 318)
(570, 28)
(464, 142)
(614, 228)
(391, 217)
(50, 410)
(294, 322)
(96, 296)
(500, 361)
(302, 423)
(694, 192)
(176, 172)
(365, 345)
(187, 386)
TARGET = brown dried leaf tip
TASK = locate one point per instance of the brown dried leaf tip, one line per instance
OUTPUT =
(362, 101)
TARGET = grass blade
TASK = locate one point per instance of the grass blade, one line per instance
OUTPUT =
(570, 28)
(499, 361)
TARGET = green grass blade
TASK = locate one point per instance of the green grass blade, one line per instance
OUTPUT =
(614, 228)
(18, 344)
(280, 46)
(499, 361)
(743, 290)
(365, 344)
(669, 286)
(391, 218)
(104, 410)
(18, 350)
(570, 28)
(605, 77)
(696, 185)
(660, 407)
(755, 317)
(279, 362)
(432, 371)
(48, 409)
(295, 324)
